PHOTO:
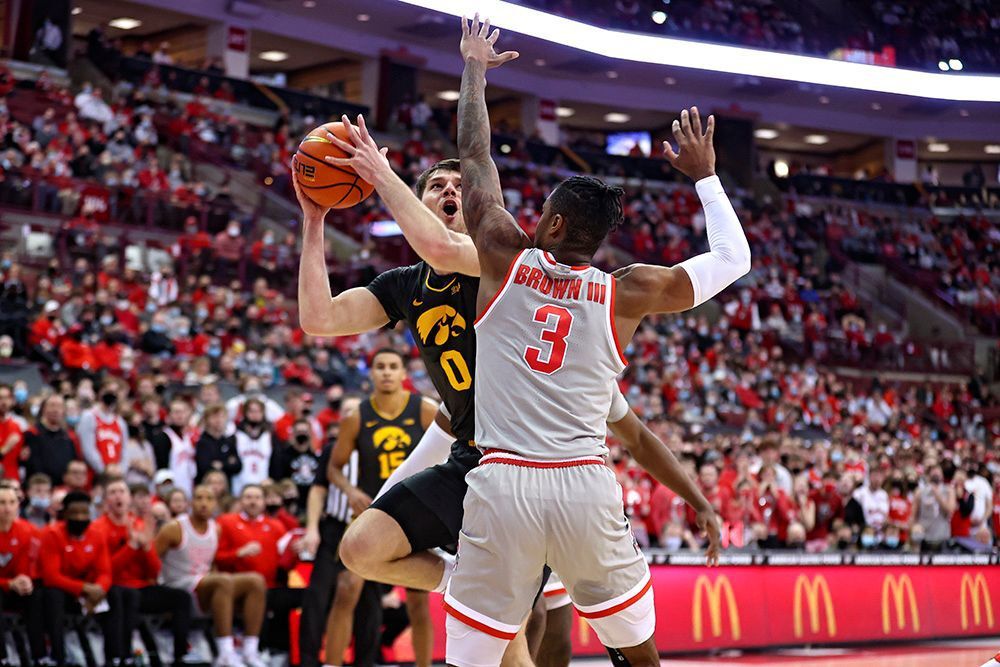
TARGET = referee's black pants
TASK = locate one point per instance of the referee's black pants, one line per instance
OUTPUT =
(318, 597)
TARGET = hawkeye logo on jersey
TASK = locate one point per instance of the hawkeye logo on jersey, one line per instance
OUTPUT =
(389, 438)
(439, 324)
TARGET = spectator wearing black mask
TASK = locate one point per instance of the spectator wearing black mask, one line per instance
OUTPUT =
(156, 339)
(215, 450)
(76, 569)
(49, 443)
(296, 460)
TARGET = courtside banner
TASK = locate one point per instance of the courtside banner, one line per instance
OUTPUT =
(699, 609)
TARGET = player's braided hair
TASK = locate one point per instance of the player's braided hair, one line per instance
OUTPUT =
(592, 209)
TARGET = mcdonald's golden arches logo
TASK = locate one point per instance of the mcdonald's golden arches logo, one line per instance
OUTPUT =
(813, 589)
(714, 591)
(972, 587)
(898, 589)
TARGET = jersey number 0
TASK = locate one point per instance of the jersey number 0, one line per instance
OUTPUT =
(555, 336)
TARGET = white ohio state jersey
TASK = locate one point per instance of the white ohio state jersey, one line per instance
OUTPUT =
(546, 360)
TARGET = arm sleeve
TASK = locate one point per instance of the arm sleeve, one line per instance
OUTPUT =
(619, 406)
(86, 430)
(389, 289)
(728, 257)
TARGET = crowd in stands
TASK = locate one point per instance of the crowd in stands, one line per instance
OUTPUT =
(158, 381)
(922, 33)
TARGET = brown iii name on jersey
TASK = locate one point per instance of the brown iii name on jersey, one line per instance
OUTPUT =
(559, 288)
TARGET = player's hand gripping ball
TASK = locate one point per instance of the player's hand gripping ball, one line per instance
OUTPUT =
(328, 185)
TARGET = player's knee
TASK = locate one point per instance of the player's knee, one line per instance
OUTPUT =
(469, 647)
(360, 549)
(630, 627)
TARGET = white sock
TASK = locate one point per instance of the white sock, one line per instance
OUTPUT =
(250, 645)
(449, 568)
(225, 645)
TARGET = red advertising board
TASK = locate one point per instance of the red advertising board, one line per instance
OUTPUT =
(698, 609)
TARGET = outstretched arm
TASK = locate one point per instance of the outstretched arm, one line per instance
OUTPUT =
(320, 313)
(657, 459)
(446, 251)
(648, 289)
(493, 229)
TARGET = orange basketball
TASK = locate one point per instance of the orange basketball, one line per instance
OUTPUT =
(325, 183)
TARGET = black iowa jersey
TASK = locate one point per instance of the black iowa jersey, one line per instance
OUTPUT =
(440, 311)
(384, 442)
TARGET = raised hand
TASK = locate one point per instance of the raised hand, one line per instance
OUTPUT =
(364, 156)
(695, 156)
(477, 43)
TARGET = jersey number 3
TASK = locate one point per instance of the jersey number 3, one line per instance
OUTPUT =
(555, 336)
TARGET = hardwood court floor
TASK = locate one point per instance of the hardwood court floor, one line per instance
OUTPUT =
(939, 654)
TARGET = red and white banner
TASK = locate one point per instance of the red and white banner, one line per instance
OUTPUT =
(698, 609)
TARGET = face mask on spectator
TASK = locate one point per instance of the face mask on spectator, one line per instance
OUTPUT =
(109, 398)
(292, 505)
(673, 543)
(214, 351)
(836, 457)
(892, 542)
(273, 508)
(20, 395)
(867, 541)
(77, 527)
(40, 503)
(301, 438)
(72, 420)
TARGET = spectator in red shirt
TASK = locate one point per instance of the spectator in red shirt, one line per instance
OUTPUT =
(718, 496)
(11, 435)
(136, 565)
(900, 509)
(298, 405)
(961, 518)
(18, 550)
(248, 542)
(76, 565)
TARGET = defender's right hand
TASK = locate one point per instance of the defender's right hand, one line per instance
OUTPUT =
(311, 211)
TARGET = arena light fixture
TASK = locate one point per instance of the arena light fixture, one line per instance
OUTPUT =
(539, 62)
(670, 81)
(780, 168)
(943, 66)
(364, 18)
(564, 112)
(938, 148)
(823, 99)
(658, 50)
(77, 11)
(765, 133)
(125, 23)
(449, 95)
(309, 4)
(817, 139)
(992, 149)
(956, 64)
(612, 74)
(659, 18)
(273, 56)
(615, 117)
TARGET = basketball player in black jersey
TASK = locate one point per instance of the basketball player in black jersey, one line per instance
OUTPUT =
(383, 430)
(390, 542)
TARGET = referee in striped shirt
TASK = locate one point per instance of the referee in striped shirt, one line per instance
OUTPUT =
(327, 515)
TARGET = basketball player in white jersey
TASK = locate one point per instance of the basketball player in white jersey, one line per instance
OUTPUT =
(549, 349)
(187, 547)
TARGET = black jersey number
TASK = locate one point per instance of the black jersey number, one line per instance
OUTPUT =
(456, 369)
